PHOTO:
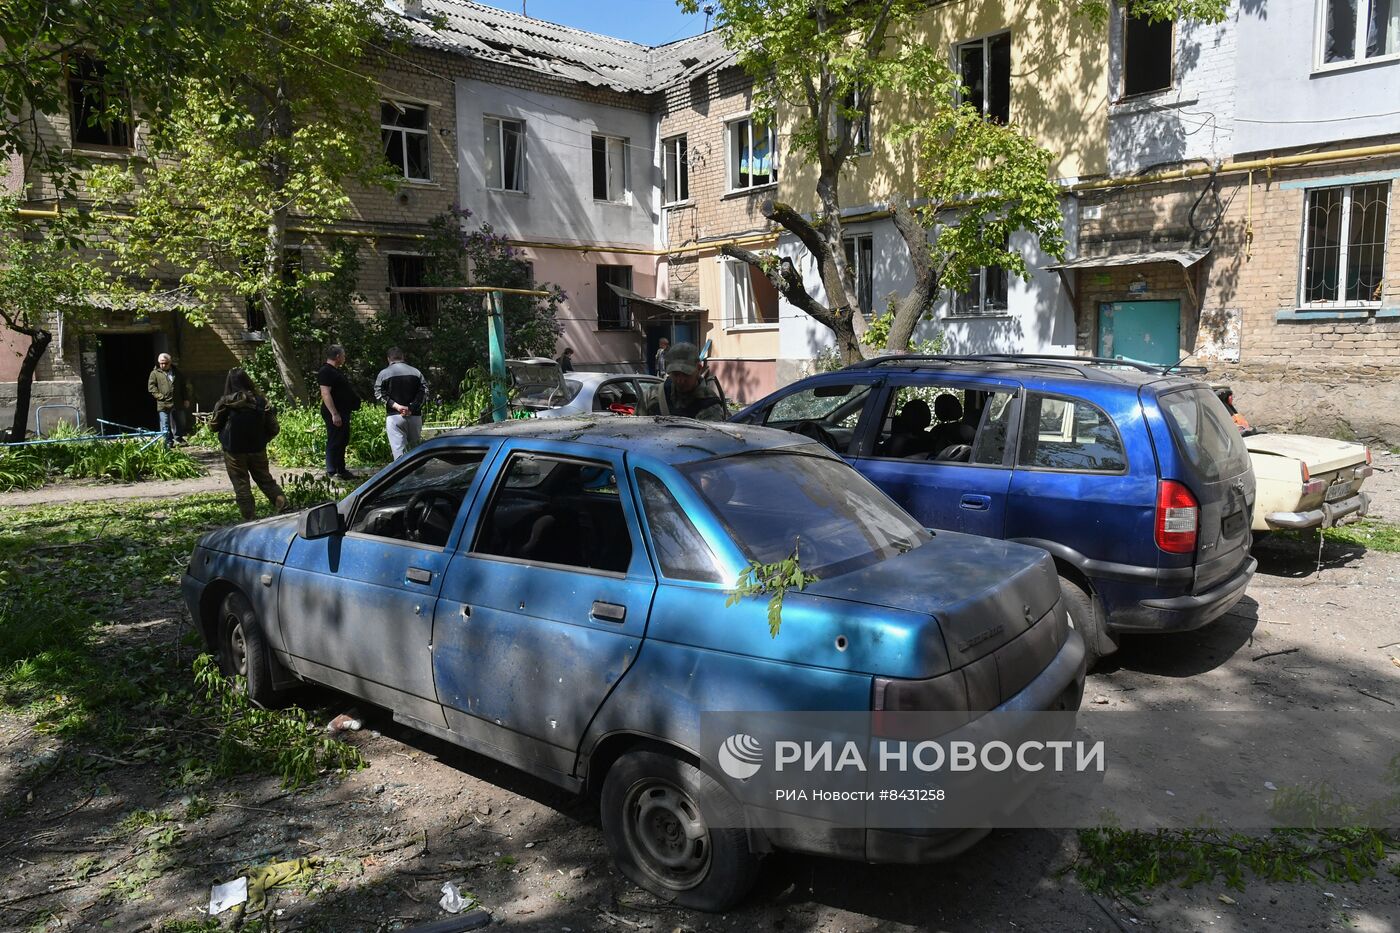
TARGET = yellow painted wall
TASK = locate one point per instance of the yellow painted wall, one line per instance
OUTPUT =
(750, 343)
(1059, 94)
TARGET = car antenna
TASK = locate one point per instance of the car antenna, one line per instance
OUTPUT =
(1177, 364)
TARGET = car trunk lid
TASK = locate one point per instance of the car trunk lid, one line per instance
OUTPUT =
(982, 592)
(1321, 454)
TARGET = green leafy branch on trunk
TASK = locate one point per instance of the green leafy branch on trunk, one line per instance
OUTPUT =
(773, 580)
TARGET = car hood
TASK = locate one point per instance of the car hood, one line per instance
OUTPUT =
(1321, 454)
(982, 592)
(265, 539)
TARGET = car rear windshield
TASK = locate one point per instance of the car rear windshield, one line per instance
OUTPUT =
(776, 502)
(1205, 434)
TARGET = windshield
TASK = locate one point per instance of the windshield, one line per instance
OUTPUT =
(775, 502)
(1205, 433)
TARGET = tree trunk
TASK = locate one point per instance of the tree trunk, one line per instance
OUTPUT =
(279, 334)
(39, 340)
(836, 278)
(912, 307)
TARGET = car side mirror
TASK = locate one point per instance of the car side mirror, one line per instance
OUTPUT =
(320, 521)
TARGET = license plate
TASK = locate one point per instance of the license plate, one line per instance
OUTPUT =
(1337, 491)
(1232, 524)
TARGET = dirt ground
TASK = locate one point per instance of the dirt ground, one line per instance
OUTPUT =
(424, 813)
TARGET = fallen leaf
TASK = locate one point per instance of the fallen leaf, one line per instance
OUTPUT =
(1225, 899)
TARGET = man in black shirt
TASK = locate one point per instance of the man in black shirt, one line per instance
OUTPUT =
(338, 400)
(403, 390)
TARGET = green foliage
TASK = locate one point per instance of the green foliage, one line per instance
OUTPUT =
(304, 490)
(302, 440)
(877, 335)
(1119, 861)
(772, 580)
(70, 572)
(125, 460)
(1372, 534)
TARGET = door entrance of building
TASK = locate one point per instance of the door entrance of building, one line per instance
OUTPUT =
(124, 361)
(1145, 331)
(676, 331)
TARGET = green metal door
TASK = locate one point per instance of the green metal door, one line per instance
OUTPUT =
(1146, 331)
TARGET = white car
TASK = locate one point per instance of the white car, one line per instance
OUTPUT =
(546, 392)
(1302, 481)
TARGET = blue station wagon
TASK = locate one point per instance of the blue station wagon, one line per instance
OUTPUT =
(1135, 481)
(552, 594)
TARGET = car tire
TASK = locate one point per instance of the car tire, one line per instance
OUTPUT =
(648, 798)
(243, 650)
(1086, 617)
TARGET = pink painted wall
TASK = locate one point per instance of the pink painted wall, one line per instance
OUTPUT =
(576, 273)
(12, 347)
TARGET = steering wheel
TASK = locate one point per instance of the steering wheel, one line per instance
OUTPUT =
(416, 514)
(816, 432)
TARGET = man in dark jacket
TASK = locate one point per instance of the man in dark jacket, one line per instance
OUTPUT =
(338, 401)
(245, 423)
(167, 387)
(403, 390)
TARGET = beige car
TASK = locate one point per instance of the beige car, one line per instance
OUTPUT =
(1302, 481)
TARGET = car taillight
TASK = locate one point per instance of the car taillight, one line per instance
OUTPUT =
(1311, 486)
(1178, 515)
(1368, 456)
(945, 694)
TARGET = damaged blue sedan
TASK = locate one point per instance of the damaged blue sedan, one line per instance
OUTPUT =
(552, 594)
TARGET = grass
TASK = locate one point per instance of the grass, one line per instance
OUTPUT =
(1370, 534)
(142, 695)
(126, 460)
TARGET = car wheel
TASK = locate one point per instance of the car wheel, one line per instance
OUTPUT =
(243, 649)
(1086, 617)
(675, 831)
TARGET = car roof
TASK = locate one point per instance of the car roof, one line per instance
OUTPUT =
(666, 438)
(1034, 370)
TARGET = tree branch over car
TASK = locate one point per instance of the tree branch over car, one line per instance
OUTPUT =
(820, 68)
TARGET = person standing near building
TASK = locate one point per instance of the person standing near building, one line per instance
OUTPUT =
(659, 361)
(403, 390)
(167, 387)
(338, 402)
(688, 391)
(245, 423)
(566, 360)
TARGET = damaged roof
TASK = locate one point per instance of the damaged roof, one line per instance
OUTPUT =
(487, 33)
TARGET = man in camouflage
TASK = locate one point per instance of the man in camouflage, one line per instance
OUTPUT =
(688, 391)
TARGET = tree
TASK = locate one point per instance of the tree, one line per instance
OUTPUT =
(43, 273)
(272, 123)
(819, 66)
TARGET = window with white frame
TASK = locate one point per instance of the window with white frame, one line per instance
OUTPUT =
(675, 168)
(984, 65)
(504, 154)
(1344, 245)
(1357, 30)
(857, 101)
(753, 155)
(860, 259)
(609, 168)
(750, 300)
(403, 128)
(985, 293)
(1147, 54)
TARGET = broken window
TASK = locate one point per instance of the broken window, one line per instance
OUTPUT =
(614, 311)
(1344, 245)
(858, 127)
(749, 297)
(421, 503)
(505, 154)
(753, 155)
(985, 68)
(406, 270)
(100, 115)
(985, 292)
(680, 549)
(860, 259)
(403, 128)
(293, 270)
(551, 510)
(1147, 55)
(1355, 30)
(676, 169)
(609, 168)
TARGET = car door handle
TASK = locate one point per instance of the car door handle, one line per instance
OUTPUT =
(419, 575)
(608, 612)
(976, 503)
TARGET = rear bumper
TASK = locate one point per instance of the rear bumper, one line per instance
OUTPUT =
(1184, 613)
(1060, 686)
(1331, 514)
